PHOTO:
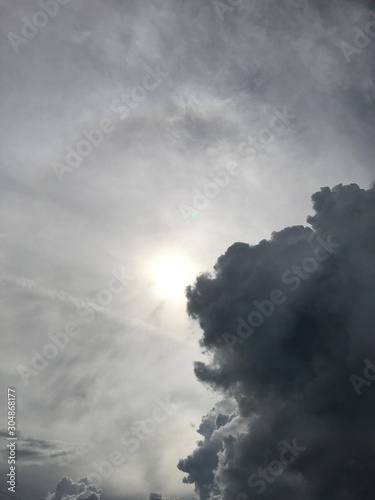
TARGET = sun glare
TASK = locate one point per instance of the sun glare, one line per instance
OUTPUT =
(172, 274)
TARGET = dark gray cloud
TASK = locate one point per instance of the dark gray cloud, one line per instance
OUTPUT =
(300, 369)
(157, 496)
(201, 465)
(42, 452)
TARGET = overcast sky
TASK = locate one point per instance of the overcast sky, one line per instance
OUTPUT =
(140, 140)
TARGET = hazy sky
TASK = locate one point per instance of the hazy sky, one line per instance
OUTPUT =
(210, 123)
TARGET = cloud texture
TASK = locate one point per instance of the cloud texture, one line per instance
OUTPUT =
(300, 369)
(67, 489)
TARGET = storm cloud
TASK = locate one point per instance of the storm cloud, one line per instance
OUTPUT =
(300, 368)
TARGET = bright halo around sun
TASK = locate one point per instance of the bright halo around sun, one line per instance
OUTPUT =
(172, 274)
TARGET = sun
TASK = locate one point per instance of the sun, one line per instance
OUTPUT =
(172, 274)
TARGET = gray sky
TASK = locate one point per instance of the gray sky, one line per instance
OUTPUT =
(180, 90)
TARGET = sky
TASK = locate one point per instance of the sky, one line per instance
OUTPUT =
(157, 145)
